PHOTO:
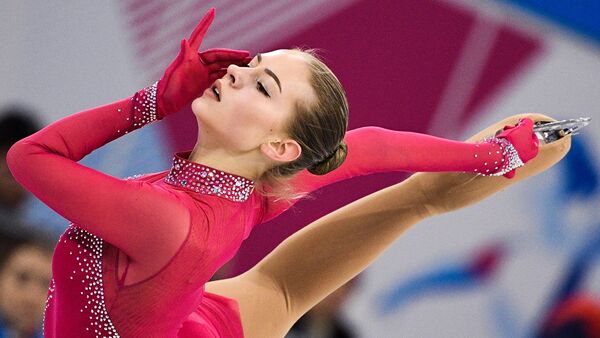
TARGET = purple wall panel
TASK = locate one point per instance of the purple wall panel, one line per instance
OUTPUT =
(393, 58)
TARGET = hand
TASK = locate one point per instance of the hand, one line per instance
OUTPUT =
(191, 72)
(522, 137)
(444, 192)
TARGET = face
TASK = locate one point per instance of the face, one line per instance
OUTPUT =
(252, 105)
(24, 282)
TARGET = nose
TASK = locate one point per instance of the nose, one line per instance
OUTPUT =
(235, 75)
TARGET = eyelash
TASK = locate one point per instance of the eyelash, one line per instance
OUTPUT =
(262, 89)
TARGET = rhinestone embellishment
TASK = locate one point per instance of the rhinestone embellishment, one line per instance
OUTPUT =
(510, 160)
(49, 298)
(206, 180)
(144, 108)
(145, 105)
(88, 272)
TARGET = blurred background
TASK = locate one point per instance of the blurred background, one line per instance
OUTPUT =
(524, 263)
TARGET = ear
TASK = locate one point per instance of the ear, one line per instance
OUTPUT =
(281, 150)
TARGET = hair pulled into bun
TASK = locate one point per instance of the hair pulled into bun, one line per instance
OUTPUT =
(331, 162)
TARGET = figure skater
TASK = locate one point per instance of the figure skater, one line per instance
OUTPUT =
(138, 253)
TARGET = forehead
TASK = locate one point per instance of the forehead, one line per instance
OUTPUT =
(292, 68)
(289, 58)
(29, 253)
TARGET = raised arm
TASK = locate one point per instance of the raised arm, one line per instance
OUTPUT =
(133, 215)
(113, 209)
(327, 253)
(374, 150)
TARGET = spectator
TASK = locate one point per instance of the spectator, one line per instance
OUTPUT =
(25, 272)
(15, 123)
(577, 317)
(575, 312)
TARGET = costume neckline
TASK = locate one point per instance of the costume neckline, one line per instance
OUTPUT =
(206, 180)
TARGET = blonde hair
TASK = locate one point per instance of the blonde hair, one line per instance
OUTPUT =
(318, 127)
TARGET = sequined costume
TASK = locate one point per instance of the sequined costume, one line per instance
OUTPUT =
(138, 252)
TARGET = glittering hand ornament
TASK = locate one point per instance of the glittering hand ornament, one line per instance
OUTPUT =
(191, 72)
(521, 147)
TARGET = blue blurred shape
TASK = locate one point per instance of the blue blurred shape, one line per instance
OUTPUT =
(464, 275)
(448, 278)
(582, 16)
(581, 174)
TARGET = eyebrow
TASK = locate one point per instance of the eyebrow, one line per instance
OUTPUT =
(269, 72)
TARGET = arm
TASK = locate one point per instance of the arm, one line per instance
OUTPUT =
(327, 253)
(375, 150)
(113, 209)
(135, 216)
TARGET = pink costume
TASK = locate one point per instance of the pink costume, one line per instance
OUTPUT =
(182, 224)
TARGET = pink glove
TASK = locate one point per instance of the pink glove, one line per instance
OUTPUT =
(523, 139)
(191, 72)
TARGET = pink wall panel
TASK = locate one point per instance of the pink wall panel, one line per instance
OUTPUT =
(511, 54)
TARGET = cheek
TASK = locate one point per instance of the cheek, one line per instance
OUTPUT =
(253, 126)
(265, 118)
(9, 291)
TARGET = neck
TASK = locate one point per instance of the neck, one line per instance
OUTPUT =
(249, 165)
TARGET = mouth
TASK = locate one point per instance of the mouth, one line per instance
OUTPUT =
(216, 90)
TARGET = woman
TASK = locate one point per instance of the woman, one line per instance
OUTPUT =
(139, 252)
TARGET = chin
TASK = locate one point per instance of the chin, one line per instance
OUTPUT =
(201, 109)
(199, 105)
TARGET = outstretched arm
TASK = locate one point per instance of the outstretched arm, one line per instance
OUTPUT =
(374, 150)
(324, 255)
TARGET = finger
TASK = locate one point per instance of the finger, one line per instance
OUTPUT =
(507, 127)
(200, 30)
(183, 48)
(222, 54)
(510, 174)
(186, 51)
(213, 76)
(178, 60)
(237, 59)
(535, 141)
(223, 64)
(527, 122)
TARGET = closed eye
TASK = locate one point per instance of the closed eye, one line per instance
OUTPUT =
(261, 88)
